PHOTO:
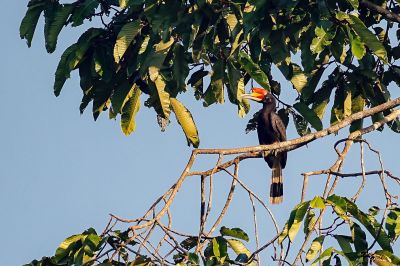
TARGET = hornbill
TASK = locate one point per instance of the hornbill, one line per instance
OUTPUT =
(270, 129)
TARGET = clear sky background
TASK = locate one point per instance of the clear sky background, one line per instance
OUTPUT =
(61, 173)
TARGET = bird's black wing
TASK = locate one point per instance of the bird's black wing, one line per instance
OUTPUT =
(280, 132)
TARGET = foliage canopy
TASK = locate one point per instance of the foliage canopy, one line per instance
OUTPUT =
(345, 50)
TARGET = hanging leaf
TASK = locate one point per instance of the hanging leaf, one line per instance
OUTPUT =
(129, 110)
(254, 70)
(125, 36)
(323, 37)
(367, 37)
(186, 121)
(392, 224)
(63, 70)
(309, 115)
(234, 232)
(56, 19)
(180, 67)
(84, 10)
(315, 247)
(30, 20)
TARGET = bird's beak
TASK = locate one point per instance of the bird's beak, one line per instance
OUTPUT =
(253, 96)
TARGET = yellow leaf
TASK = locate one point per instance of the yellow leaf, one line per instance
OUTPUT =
(186, 121)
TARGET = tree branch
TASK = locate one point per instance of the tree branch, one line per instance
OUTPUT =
(383, 11)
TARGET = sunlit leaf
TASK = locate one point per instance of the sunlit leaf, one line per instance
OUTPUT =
(125, 36)
(129, 110)
(186, 121)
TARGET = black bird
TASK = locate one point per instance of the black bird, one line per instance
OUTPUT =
(270, 129)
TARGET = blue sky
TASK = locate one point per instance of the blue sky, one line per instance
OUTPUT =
(61, 173)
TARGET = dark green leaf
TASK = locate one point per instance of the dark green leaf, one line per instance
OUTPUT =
(234, 232)
(30, 20)
(309, 115)
(254, 70)
(56, 18)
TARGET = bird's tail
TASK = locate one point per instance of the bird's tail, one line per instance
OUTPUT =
(276, 190)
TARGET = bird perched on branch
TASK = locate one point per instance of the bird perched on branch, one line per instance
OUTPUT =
(270, 129)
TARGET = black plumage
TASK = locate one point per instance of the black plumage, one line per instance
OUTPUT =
(271, 129)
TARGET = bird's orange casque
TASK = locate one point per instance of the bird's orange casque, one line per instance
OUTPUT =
(256, 94)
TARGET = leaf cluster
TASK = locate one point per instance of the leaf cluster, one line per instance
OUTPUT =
(157, 48)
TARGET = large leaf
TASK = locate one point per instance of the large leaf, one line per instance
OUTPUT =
(30, 20)
(72, 56)
(186, 121)
(129, 111)
(315, 247)
(393, 223)
(63, 70)
(162, 96)
(367, 37)
(238, 247)
(309, 115)
(254, 70)
(236, 90)
(84, 9)
(55, 20)
(180, 67)
(323, 37)
(234, 232)
(125, 36)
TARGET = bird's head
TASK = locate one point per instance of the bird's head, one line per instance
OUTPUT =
(259, 95)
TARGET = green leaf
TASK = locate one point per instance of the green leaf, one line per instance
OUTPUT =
(83, 10)
(357, 105)
(369, 222)
(125, 36)
(254, 70)
(337, 113)
(317, 203)
(309, 221)
(359, 238)
(344, 243)
(301, 125)
(236, 89)
(385, 258)
(121, 94)
(392, 224)
(63, 70)
(338, 46)
(180, 67)
(238, 247)
(295, 220)
(323, 37)
(357, 48)
(68, 245)
(189, 243)
(367, 37)
(309, 115)
(324, 256)
(234, 232)
(219, 247)
(163, 96)
(185, 119)
(193, 258)
(215, 92)
(315, 247)
(129, 110)
(299, 79)
(30, 20)
(55, 20)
